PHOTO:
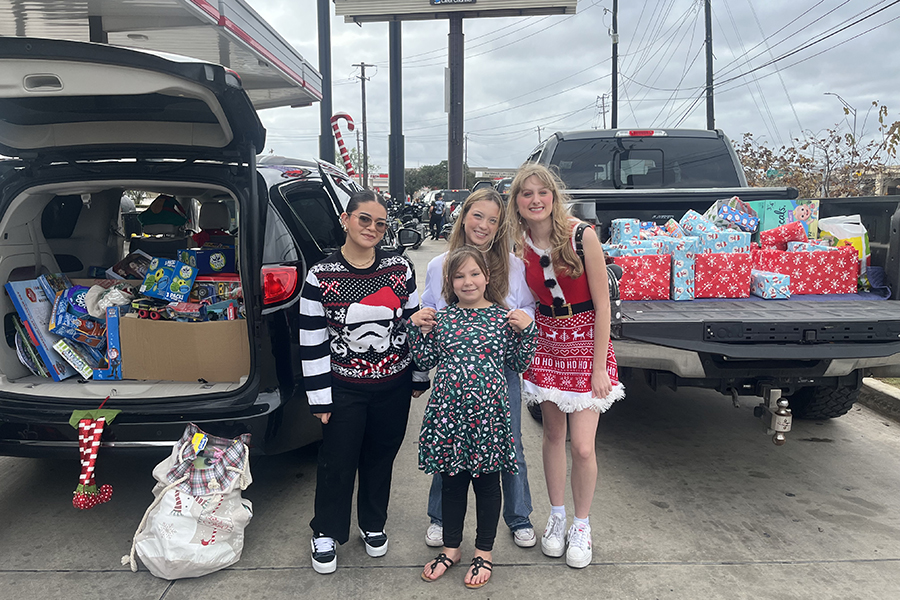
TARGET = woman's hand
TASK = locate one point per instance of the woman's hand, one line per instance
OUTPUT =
(323, 417)
(601, 386)
(519, 319)
(424, 319)
(417, 393)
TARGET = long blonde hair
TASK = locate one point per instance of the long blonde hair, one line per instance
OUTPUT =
(455, 260)
(561, 250)
(497, 253)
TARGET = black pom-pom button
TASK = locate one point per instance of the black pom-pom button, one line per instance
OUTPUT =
(550, 283)
(557, 302)
(545, 261)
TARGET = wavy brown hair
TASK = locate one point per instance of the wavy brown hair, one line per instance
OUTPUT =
(497, 253)
(561, 250)
(455, 260)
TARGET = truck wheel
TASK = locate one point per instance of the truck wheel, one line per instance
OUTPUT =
(822, 402)
(535, 411)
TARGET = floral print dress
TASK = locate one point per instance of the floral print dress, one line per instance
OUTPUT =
(467, 422)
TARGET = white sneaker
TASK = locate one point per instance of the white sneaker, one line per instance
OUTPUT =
(579, 554)
(376, 542)
(434, 537)
(525, 537)
(324, 555)
(553, 541)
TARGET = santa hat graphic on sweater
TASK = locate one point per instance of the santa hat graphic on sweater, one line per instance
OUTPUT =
(383, 305)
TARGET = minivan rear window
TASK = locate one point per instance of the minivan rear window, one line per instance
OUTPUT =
(645, 162)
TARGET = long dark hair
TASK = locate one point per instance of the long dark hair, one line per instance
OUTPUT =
(455, 259)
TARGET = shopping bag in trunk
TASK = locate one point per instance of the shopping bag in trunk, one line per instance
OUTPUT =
(196, 522)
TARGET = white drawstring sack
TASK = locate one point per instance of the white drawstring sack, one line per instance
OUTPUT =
(196, 522)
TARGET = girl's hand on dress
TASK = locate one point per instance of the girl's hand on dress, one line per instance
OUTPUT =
(424, 319)
(601, 386)
(323, 417)
(417, 393)
(519, 319)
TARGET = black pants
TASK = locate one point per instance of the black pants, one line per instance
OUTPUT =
(362, 436)
(435, 224)
(454, 496)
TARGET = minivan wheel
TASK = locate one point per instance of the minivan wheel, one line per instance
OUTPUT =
(822, 402)
(535, 411)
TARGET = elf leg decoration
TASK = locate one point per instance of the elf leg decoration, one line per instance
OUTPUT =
(86, 494)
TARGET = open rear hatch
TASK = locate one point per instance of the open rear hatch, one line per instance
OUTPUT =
(110, 124)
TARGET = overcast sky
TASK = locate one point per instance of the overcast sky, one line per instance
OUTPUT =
(526, 73)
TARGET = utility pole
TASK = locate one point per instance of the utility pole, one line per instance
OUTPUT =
(615, 65)
(466, 149)
(602, 100)
(326, 134)
(365, 138)
(456, 178)
(539, 133)
(710, 113)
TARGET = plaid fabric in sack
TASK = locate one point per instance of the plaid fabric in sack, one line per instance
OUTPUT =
(196, 522)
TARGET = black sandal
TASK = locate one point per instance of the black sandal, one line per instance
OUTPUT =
(479, 563)
(442, 559)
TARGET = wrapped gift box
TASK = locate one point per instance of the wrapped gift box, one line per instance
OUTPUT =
(635, 248)
(645, 277)
(721, 242)
(772, 286)
(745, 221)
(813, 272)
(693, 223)
(683, 251)
(722, 275)
(650, 230)
(780, 236)
(808, 246)
(673, 229)
(624, 230)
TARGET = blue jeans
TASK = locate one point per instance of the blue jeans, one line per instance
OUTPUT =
(516, 493)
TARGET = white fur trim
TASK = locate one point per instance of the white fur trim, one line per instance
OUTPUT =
(569, 402)
(549, 271)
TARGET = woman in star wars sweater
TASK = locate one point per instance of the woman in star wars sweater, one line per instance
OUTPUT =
(359, 376)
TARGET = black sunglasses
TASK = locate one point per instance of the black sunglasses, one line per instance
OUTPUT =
(365, 220)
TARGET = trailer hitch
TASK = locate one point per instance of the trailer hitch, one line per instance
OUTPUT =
(776, 415)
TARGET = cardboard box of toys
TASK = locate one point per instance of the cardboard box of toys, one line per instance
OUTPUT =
(213, 351)
(211, 259)
(775, 213)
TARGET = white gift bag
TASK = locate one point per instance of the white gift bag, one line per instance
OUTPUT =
(196, 522)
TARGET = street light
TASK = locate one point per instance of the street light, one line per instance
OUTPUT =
(852, 111)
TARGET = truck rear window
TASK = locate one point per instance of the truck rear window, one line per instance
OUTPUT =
(645, 162)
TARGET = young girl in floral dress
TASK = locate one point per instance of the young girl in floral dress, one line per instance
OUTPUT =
(466, 434)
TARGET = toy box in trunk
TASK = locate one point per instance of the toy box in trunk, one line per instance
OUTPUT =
(214, 351)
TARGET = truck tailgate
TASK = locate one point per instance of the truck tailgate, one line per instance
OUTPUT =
(765, 329)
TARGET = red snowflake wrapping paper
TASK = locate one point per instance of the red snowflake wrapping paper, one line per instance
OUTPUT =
(780, 236)
(645, 277)
(722, 275)
(813, 272)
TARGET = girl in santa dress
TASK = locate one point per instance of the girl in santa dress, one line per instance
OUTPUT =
(574, 376)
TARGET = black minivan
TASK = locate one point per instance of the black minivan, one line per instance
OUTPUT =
(86, 124)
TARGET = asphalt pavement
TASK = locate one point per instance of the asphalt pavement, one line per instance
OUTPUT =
(693, 501)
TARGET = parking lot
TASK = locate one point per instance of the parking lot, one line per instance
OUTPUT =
(693, 501)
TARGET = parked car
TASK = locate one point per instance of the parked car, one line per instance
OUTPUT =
(84, 123)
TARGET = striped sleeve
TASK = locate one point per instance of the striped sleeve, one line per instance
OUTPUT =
(315, 353)
(420, 378)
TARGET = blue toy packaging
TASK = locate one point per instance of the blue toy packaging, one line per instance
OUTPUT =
(210, 259)
(168, 279)
(113, 370)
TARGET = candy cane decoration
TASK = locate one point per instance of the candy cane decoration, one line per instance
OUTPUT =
(340, 140)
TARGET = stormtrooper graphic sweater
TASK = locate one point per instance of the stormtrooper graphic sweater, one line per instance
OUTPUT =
(353, 326)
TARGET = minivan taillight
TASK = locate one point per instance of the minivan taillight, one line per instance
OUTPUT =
(279, 284)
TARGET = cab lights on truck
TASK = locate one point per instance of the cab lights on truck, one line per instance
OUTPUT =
(641, 133)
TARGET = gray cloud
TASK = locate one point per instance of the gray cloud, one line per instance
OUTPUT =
(547, 72)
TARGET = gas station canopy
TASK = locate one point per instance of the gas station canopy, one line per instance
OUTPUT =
(227, 32)
(362, 11)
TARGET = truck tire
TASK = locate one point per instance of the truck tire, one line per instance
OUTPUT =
(822, 402)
